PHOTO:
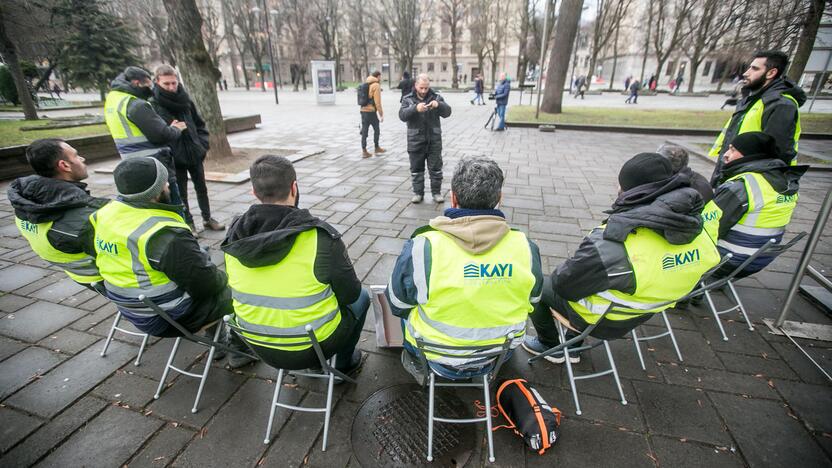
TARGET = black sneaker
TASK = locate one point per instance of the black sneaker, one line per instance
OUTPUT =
(355, 365)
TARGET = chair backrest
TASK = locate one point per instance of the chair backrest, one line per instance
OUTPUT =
(487, 352)
(388, 326)
(771, 248)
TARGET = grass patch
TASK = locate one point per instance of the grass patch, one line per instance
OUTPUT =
(665, 118)
(11, 135)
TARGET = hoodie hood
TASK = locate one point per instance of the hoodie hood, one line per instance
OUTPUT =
(674, 214)
(475, 234)
(783, 178)
(783, 86)
(265, 234)
(39, 199)
(371, 79)
(120, 83)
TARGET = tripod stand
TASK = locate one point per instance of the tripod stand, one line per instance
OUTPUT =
(492, 119)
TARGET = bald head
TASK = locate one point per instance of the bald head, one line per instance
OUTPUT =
(422, 85)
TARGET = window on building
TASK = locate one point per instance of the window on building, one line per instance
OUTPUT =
(446, 30)
(444, 66)
(459, 49)
(707, 69)
(670, 66)
(385, 51)
(430, 67)
(431, 50)
(443, 51)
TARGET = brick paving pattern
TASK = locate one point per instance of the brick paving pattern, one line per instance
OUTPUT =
(751, 401)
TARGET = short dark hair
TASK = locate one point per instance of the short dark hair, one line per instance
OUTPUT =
(272, 177)
(677, 156)
(376, 73)
(774, 59)
(406, 75)
(43, 155)
(477, 183)
(164, 70)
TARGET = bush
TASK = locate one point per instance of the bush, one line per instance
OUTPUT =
(8, 91)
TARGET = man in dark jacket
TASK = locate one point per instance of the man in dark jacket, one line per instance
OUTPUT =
(52, 208)
(136, 128)
(144, 247)
(770, 105)
(478, 90)
(652, 249)
(422, 109)
(172, 103)
(501, 98)
(288, 269)
(405, 85)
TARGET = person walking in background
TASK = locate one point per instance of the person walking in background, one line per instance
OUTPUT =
(627, 82)
(680, 78)
(478, 89)
(633, 97)
(501, 98)
(172, 103)
(580, 87)
(652, 83)
(371, 113)
(405, 85)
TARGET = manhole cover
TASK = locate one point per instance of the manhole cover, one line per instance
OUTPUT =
(391, 429)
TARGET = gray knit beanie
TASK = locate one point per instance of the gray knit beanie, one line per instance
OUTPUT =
(140, 179)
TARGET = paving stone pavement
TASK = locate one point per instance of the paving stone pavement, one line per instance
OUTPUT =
(751, 401)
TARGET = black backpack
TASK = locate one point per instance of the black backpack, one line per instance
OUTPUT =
(364, 95)
(528, 414)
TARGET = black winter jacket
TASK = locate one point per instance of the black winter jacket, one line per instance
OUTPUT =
(424, 129)
(191, 147)
(779, 119)
(68, 205)
(265, 234)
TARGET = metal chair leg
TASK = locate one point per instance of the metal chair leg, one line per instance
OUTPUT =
(739, 304)
(672, 337)
(715, 314)
(569, 372)
(328, 413)
(430, 417)
(488, 423)
(205, 371)
(141, 350)
(110, 335)
(638, 349)
(615, 372)
(278, 384)
(167, 368)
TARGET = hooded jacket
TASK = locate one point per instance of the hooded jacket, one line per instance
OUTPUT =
(142, 114)
(669, 207)
(375, 96)
(501, 92)
(779, 119)
(191, 147)
(475, 231)
(424, 129)
(68, 205)
(265, 234)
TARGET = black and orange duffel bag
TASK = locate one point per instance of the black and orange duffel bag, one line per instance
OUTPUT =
(528, 414)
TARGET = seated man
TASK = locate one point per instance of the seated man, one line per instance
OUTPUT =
(652, 249)
(288, 269)
(467, 279)
(52, 208)
(757, 194)
(144, 247)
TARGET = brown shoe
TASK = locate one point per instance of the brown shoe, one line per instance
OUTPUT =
(365, 154)
(213, 225)
(380, 150)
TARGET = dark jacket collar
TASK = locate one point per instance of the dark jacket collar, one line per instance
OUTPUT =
(176, 209)
(783, 178)
(454, 213)
(178, 102)
(39, 199)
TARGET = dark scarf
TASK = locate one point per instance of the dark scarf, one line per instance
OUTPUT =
(178, 102)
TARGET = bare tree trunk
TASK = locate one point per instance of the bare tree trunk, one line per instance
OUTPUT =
(614, 56)
(9, 52)
(807, 39)
(454, 64)
(569, 15)
(199, 73)
(647, 43)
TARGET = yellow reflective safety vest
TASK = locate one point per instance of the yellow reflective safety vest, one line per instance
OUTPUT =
(711, 214)
(122, 233)
(766, 218)
(282, 299)
(78, 266)
(663, 272)
(129, 139)
(474, 299)
(752, 121)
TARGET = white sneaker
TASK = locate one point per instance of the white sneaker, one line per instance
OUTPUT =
(438, 198)
(416, 199)
(535, 347)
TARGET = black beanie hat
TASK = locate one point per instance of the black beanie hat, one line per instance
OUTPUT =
(757, 145)
(140, 179)
(644, 168)
(136, 73)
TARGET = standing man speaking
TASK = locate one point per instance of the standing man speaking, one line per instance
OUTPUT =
(421, 110)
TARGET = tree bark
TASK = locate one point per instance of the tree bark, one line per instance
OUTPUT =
(198, 71)
(569, 15)
(806, 40)
(614, 56)
(9, 51)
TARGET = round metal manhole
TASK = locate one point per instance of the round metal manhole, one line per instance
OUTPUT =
(391, 429)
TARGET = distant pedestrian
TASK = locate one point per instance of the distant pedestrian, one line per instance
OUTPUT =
(371, 113)
(225, 84)
(633, 97)
(679, 80)
(501, 98)
(405, 85)
(57, 90)
(422, 110)
(580, 87)
(627, 82)
(478, 89)
(465, 78)
(652, 83)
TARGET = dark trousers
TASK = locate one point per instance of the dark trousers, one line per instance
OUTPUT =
(632, 98)
(433, 158)
(368, 119)
(198, 177)
(341, 343)
(202, 313)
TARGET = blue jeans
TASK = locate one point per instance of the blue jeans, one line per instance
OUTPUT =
(501, 113)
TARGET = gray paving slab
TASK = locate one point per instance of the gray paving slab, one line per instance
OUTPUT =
(753, 423)
(17, 276)
(9, 347)
(716, 379)
(57, 292)
(770, 366)
(176, 400)
(339, 448)
(681, 412)
(300, 436)
(24, 367)
(68, 341)
(108, 440)
(11, 303)
(813, 403)
(620, 448)
(163, 448)
(55, 391)
(15, 427)
(678, 452)
(127, 389)
(38, 320)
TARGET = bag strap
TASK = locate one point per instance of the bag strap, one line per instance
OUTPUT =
(544, 433)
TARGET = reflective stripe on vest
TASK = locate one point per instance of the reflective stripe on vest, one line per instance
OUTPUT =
(752, 121)
(474, 299)
(282, 299)
(663, 272)
(78, 266)
(129, 139)
(121, 236)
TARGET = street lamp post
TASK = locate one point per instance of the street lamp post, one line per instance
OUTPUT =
(274, 13)
(389, 64)
(267, 19)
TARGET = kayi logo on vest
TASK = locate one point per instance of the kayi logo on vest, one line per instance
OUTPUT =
(712, 215)
(786, 198)
(29, 227)
(671, 261)
(106, 247)
(497, 271)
